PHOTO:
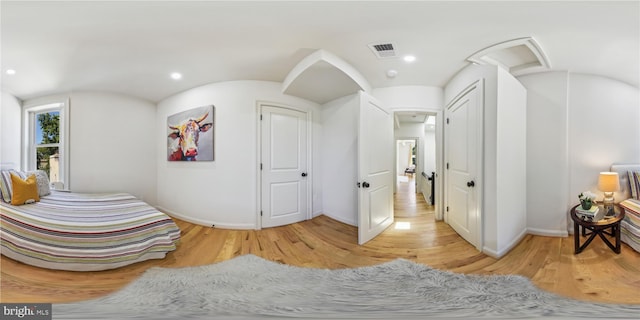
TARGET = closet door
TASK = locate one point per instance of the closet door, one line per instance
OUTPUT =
(461, 168)
(284, 165)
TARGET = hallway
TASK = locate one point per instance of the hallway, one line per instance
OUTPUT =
(408, 203)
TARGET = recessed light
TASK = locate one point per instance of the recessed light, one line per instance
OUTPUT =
(392, 73)
(409, 58)
(10, 72)
(176, 76)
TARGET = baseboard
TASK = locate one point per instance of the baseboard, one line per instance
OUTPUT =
(351, 223)
(548, 233)
(207, 223)
(498, 254)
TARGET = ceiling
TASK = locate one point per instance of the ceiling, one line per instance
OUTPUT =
(131, 47)
(411, 117)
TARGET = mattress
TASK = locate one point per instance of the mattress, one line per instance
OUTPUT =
(85, 232)
(630, 225)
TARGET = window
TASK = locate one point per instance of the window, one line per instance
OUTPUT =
(45, 144)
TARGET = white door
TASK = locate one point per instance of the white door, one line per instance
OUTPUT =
(375, 168)
(461, 170)
(284, 179)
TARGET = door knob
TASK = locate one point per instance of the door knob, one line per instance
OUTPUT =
(471, 184)
(365, 184)
(304, 174)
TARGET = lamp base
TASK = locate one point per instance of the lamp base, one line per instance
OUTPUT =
(608, 204)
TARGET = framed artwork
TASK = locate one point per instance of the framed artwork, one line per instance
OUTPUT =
(190, 135)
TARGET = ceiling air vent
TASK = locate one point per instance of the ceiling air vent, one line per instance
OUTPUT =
(383, 50)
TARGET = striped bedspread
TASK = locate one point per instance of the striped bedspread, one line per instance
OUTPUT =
(85, 232)
(630, 226)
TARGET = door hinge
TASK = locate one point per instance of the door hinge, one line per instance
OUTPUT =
(261, 213)
(260, 117)
(261, 166)
(447, 166)
(447, 208)
(447, 120)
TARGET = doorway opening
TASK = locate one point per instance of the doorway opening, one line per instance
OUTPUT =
(415, 144)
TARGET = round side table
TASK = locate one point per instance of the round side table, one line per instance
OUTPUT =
(609, 225)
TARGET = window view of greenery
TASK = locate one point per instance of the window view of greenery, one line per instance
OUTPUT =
(47, 143)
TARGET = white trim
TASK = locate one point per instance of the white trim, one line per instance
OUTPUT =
(547, 233)
(202, 222)
(340, 219)
(28, 118)
(439, 132)
(8, 166)
(480, 163)
(483, 57)
(505, 250)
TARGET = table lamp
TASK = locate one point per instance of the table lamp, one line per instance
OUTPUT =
(608, 182)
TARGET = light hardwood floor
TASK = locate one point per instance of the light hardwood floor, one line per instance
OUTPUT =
(597, 274)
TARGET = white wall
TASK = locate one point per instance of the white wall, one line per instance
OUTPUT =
(547, 153)
(224, 192)
(111, 143)
(10, 115)
(429, 154)
(409, 130)
(511, 162)
(412, 130)
(410, 97)
(568, 117)
(339, 159)
(429, 150)
(603, 128)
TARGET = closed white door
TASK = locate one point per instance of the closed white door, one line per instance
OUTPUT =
(461, 143)
(284, 178)
(375, 166)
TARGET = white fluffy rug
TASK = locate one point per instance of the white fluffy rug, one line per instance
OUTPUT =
(251, 287)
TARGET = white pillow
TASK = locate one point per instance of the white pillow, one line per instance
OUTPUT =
(42, 180)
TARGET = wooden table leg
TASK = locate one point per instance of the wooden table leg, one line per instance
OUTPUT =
(576, 237)
(617, 236)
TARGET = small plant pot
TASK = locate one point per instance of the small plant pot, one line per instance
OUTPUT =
(586, 204)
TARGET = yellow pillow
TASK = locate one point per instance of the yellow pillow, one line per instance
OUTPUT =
(23, 190)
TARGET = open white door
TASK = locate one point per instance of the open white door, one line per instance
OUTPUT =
(375, 168)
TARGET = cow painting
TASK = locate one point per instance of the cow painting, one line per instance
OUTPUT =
(190, 135)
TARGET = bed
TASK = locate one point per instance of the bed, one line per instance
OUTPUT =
(85, 232)
(629, 200)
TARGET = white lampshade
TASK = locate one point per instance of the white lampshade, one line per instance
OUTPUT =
(608, 182)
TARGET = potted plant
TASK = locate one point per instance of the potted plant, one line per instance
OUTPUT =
(587, 199)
